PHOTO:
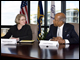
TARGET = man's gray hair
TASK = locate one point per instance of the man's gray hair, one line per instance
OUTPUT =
(63, 19)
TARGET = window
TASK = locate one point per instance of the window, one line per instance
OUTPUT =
(9, 10)
(72, 7)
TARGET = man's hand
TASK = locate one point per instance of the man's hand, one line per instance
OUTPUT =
(59, 39)
(53, 39)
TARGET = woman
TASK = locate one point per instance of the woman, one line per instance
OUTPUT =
(20, 31)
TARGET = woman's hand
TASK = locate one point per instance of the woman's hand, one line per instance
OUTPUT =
(15, 38)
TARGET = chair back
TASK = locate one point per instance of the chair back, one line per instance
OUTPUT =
(76, 27)
(34, 28)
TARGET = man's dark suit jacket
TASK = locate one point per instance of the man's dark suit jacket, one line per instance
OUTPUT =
(68, 33)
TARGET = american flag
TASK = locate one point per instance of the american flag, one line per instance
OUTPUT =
(24, 10)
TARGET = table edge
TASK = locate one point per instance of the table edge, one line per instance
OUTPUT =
(17, 56)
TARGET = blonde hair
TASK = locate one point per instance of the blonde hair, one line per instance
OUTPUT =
(18, 18)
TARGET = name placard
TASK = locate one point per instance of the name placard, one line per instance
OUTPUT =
(49, 44)
(8, 41)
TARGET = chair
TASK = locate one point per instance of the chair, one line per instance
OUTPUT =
(34, 28)
(76, 27)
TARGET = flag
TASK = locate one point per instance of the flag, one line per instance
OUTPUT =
(39, 17)
(52, 12)
(24, 10)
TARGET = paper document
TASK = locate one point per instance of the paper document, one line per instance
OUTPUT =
(8, 41)
(49, 44)
(27, 40)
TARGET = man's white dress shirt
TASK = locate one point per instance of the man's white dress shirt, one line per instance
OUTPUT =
(60, 33)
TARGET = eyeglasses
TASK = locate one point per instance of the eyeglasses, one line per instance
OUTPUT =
(22, 19)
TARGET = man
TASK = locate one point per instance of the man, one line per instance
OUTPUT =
(61, 31)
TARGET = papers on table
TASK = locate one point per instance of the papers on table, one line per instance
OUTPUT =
(48, 44)
(8, 41)
(27, 40)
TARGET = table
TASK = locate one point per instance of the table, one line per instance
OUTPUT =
(33, 51)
